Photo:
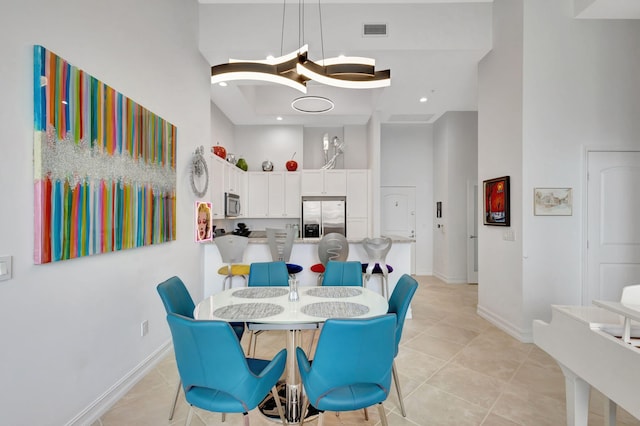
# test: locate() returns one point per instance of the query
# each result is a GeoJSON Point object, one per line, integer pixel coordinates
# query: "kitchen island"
{"type": "Point", "coordinates": [305, 254]}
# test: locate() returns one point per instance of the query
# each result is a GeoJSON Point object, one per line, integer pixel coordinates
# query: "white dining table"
{"type": "Point", "coordinates": [269, 308]}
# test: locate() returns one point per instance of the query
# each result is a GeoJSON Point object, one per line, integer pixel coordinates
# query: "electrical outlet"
{"type": "Point", "coordinates": [144, 328]}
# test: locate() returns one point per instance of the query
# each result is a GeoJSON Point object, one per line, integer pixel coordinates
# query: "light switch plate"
{"type": "Point", "coordinates": [509, 235]}
{"type": "Point", "coordinates": [5, 268]}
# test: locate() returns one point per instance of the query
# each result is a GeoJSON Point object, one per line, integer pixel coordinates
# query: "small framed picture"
{"type": "Point", "coordinates": [496, 202]}
{"type": "Point", "coordinates": [552, 202]}
{"type": "Point", "coordinates": [204, 222]}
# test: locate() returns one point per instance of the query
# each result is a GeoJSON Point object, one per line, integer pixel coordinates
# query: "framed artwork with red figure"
{"type": "Point", "coordinates": [496, 201]}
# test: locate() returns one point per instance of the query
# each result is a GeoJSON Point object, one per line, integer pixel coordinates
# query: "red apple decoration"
{"type": "Point", "coordinates": [292, 165]}
{"type": "Point", "coordinates": [220, 151]}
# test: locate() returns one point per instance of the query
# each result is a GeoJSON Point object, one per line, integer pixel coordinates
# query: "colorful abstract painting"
{"type": "Point", "coordinates": [104, 166]}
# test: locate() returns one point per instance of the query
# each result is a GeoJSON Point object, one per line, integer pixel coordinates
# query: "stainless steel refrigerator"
{"type": "Point", "coordinates": [323, 215]}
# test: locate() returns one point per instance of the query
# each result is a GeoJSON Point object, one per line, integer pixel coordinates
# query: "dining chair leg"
{"type": "Point", "coordinates": [276, 398]}
{"type": "Point", "coordinates": [250, 342]}
{"type": "Point", "coordinates": [175, 400]}
{"type": "Point", "coordinates": [245, 418]}
{"type": "Point", "coordinates": [396, 381]}
{"type": "Point", "coordinates": [383, 415]}
{"type": "Point", "coordinates": [253, 337]}
{"type": "Point", "coordinates": [188, 422]}
{"type": "Point", "coordinates": [224, 417]}
{"type": "Point", "coordinates": [313, 337]}
{"type": "Point", "coordinates": [366, 414]}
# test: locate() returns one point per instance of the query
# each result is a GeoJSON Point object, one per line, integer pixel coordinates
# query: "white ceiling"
{"type": "Point", "coordinates": [432, 49]}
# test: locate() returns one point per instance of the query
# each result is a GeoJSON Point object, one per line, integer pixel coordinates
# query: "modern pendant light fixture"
{"type": "Point", "coordinates": [295, 69]}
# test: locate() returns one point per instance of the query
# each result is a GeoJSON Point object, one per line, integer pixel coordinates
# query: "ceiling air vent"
{"type": "Point", "coordinates": [369, 30]}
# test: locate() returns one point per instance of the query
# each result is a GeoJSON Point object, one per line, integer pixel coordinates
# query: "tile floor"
{"type": "Point", "coordinates": [456, 369]}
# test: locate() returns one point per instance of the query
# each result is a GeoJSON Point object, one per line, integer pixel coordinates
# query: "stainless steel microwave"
{"type": "Point", "coordinates": [231, 204]}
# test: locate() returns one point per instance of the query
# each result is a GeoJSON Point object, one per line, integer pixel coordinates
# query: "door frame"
{"type": "Point", "coordinates": [473, 200]}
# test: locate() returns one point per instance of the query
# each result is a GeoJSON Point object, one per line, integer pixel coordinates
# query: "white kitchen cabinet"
{"type": "Point", "coordinates": [233, 179]}
{"type": "Point", "coordinates": [357, 193]}
{"type": "Point", "coordinates": [357, 228]}
{"type": "Point", "coordinates": [225, 177]}
{"type": "Point", "coordinates": [292, 202]}
{"type": "Point", "coordinates": [273, 194]}
{"type": "Point", "coordinates": [324, 182]}
{"type": "Point", "coordinates": [276, 194]}
{"type": "Point", "coordinates": [358, 200]}
{"type": "Point", "coordinates": [216, 183]}
{"type": "Point", "coordinates": [257, 200]}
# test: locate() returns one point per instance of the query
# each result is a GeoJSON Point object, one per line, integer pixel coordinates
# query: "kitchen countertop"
{"type": "Point", "coordinates": [260, 240]}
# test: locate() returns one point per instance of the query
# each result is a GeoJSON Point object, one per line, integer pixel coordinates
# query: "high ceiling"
{"type": "Point", "coordinates": [432, 48]}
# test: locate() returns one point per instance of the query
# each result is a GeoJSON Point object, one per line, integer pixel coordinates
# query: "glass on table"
{"type": "Point", "coordinates": [293, 289]}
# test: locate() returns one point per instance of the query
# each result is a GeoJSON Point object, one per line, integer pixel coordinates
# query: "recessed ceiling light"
{"type": "Point", "coordinates": [279, 118]}
{"type": "Point", "coordinates": [423, 99]}
{"type": "Point", "coordinates": [223, 83]}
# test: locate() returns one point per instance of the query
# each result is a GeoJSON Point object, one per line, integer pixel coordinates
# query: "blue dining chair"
{"type": "Point", "coordinates": [177, 300]}
{"type": "Point", "coordinates": [265, 274]}
{"type": "Point", "coordinates": [352, 367]}
{"type": "Point", "coordinates": [399, 303]}
{"type": "Point", "coordinates": [342, 273]}
{"type": "Point", "coordinates": [339, 273]}
{"type": "Point", "coordinates": [268, 274]}
{"type": "Point", "coordinates": [215, 374]}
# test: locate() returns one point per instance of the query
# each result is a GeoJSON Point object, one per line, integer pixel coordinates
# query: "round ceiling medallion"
{"type": "Point", "coordinates": [312, 104]}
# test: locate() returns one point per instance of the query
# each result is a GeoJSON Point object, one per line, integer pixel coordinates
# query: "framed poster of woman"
{"type": "Point", "coordinates": [203, 222]}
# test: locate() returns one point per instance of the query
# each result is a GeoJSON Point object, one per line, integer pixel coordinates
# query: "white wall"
{"type": "Point", "coordinates": [406, 152]}
{"type": "Point", "coordinates": [355, 138]}
{"type": "Point", "coordinates": [440, 194]}
{"type": "Point", "coordinates": [581, 90]}
{"type": "Point", "coordinates": [277, 144]}
{"type": "Point", "coordinates": [500, 77]}
{"type": "Point", "coordinates": [222, 131]}
{"type": "Point", "coordinates": [456, 142]}
{"type": "Point", "coordinates": [71, 330]}
{"type": "Point", "coordinates": [552, 87]}
{"type": "Point", "coordinates": [355, 144]}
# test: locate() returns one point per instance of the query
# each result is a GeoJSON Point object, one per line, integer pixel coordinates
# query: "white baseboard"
{"type": "Point", "coordinates": [105, 401]}
{"type": "Point", "coordinates": [450, 280]}
{"type": "Point", "coordinates": [523, 335]}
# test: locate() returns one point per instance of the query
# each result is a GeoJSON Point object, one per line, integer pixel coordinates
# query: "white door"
{"type": "Point", "coordinates": [398, 211]}
{"type": "Point", "coordinates": [613, 224]}
{"type": "Point", "coordinates": [398, 205]}
{"type": "Point", "coordinates": [472, 232]}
